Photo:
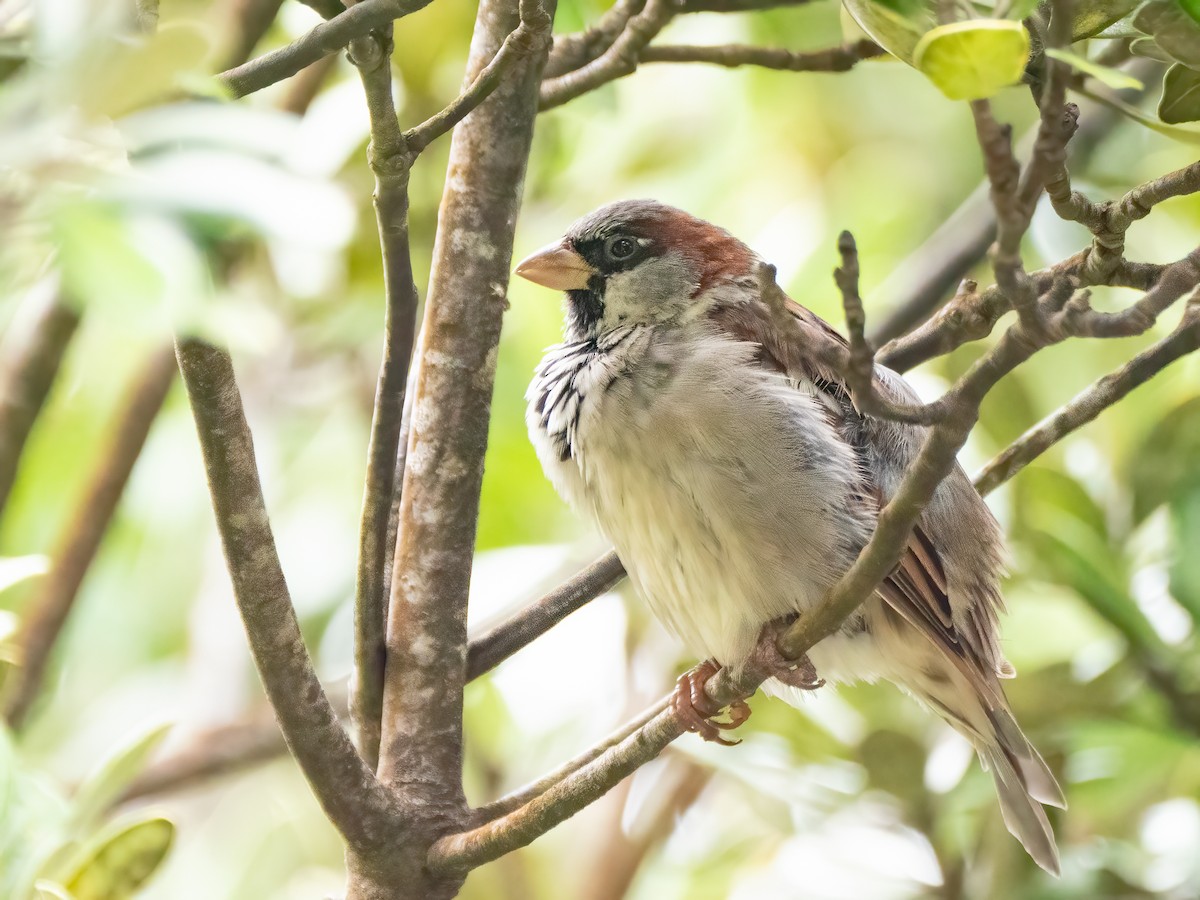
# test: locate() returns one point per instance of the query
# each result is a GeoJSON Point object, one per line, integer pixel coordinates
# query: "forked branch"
{"type": "Point", "coordinates": [352, 799]}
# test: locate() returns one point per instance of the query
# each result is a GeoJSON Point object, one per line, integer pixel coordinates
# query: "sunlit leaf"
{"type": "Point", "coordinates": [1180, 100]}
{"type": "Point", "coordinates": [48, 890]}
{"type": "Point", "coordinates": [1192, 8]}
{"type": "Point", "coordinates": [886, 27]}
{"type": "Point", "coordinates": [123, 861]}
{"type": "Point", "coordinates": [1175, 31]}
{"type": "Point", "coordinates": [972, 60]}
{"type": "Point", "coordinates": [1094, 16]}
{"type": "Point", "coordinates": [98, 791]}
{"type": "Point", "coordinates": [15, 569]}
{"type": "Point", "coordinates": [1114, 78]}
{"type": "Point", "coordinates": [149, 70]}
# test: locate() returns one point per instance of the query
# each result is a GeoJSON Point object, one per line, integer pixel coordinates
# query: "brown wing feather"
{"type": "Point", "coordinates": [917, 588]}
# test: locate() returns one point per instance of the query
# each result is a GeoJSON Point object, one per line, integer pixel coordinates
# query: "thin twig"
{"type": "Point", "coordinates": [1090, 403]}
{"type": "Point", "coordinates": [619, 60]}
{"type": "Point", "coordinates": [529, 37]}
{"type": "Point", "coordinates": [518, 798]}
{"type": "Point", "coordinates": [325, 38]}
{"type": "Point", "coordinates": [975, 313]}
{"type": "Point", "coordinates": [858, 367]}
{"type": "Point", "coordinates": [572, 51]}
{"type": "Point", "coordinates": [348, 792]}
{"type": "Point", "coordinates": [833, 59]}
{"type": "Point", "coordinates": [42, 625]}
{"type": "Point", "coordinates": [923, 281]}
{"type": "Point", "coordinates": [527, 625]}
{"type": "Point", "coordinates": [30, 361]}
{"type": "Point", "coordinates": [391, 161]}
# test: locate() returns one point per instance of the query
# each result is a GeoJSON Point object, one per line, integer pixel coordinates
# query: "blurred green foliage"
{"type": "Point", "coordinates": [255, 227]}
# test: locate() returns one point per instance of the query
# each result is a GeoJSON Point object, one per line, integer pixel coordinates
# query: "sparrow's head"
{"type": "Point", "coordinates": [638, 262]}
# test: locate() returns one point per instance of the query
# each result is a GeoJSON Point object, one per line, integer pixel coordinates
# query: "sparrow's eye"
{"type": "Point", "coordinates": [620, 247]}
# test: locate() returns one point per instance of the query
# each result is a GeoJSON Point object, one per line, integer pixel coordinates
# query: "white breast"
{"type": "Point", "coordinates": [721, 485]}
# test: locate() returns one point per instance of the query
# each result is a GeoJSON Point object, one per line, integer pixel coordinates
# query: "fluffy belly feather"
{"type": "Point", "coordinates": [661, 454]}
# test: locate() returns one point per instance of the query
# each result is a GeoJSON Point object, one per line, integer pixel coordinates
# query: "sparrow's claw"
{"type": "Point", "coordinates": [697, 711]}
{"type": "Point", "coordinates": [798, 673]}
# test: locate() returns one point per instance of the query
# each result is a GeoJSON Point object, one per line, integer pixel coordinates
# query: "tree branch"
{"type": "Point", "coordinates": [572, 51]}
{"type": "Point", "coordinates": [352, 799]}
{"type": "Point", "coordinates": [325, 38]}
{"type": "Point", "coordinates": [833, 59]}
{"type": "Point", "coordinates": [426, 639]}
{"type": "Point", "coordinates": [529, 37]}
{"type": "Point", "coordinates": [391, 162]}
{"type": "Point", "coordinates": [31, 360]}
{"type": "Point", "coordinates": [525, 626]}
{"type": "Point", "coordinates": [43, 623]}
{"type": "Point", "coordinates": [236, 745]}
{"type": "Point", "coordinates": [920, 284]}
{"type": "Point", "coordinates": [248, 20]}
{"type": "Point", "coordinates": [1089, 404]}
{"type": "Point", "coordinates": [520, 797]}
{"type": "Point", "coordinates": [617, 61]}
{"type": "Point", "coordinates": [859, 364]}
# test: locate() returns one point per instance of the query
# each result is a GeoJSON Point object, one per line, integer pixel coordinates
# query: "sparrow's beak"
{"type": "Point", "coordinates": [556, 266]}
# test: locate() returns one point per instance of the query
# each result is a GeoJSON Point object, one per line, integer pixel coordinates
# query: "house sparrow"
{"type": "Point", "coordinates": [738, 482]}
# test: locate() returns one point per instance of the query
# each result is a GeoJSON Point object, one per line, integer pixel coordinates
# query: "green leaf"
{"type": "Point", "coordinates": [1093, 16]}
{"type": "Point", "coordinates": [148, 70]}
{"type": "Point", "coordinates": [973, 60]}
{"type": "Point", "coordinates": [1176, 32]}
{"type": "Point", "coordinates": [893, 32]}
{"type": "Point", "coordinates": [101, 262]}
{"type": "Point", "coordinates": [1114, 78]}
{"type": "Point", "coordinates": [1148, 47]}
{"type": "Point", "coordinates": [1082, 564]}
{"type": "Point", "coordinates": [1180, 100]}
{"type": "Point", "coordinates": [123, 861]}
{"type": "Point", "coordinates": [1192, 8]}
{"type": "Point", "coordinates": [1185, 567]}
{"type": "Point", "coordinates": [1162, 465]}
{"type": "Point", "coordinates": [48, 890]}
{"type": "Point", "coordinates": [1186, 135]}
{"type": "Point", "coordinates": [109, 780]}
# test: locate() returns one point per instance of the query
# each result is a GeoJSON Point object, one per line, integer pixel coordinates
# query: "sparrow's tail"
{"type": "Point", "coordinates": [1023, 780]}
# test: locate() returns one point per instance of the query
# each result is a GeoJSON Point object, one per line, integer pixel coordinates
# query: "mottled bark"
{"type": "Point", "coordinates": [421, 749]}
{"type": "Point", "coordinates": [354, 801]}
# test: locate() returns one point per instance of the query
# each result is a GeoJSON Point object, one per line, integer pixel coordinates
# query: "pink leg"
{"type": "Point", "coordinates": [799, 673]}
{"type": "Point", "coordinates": [696, 710]}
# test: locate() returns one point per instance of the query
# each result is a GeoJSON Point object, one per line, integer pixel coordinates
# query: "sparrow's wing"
{"type": "Point", "coordinates": [946, 583]}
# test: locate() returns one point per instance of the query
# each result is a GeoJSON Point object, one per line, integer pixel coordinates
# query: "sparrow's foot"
{"type": "Point", "coordinates": [697, 711]}
{"type": "Point", "coordinates": [798, 673]}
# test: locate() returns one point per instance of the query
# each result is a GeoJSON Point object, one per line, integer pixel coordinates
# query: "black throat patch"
{"type": "Point", "coordinates": [585, 309]}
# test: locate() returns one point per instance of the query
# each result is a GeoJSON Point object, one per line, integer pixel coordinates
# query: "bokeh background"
{"type": "Point", "coordinates": [254, 226]}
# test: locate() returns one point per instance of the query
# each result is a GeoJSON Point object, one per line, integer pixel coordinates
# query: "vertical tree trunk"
{"type": "Point", "coordinates": [421, 747]}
